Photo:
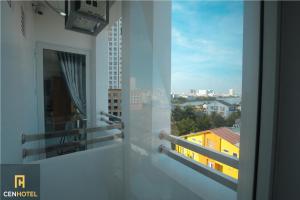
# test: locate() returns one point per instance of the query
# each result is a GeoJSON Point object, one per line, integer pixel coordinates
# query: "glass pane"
{"type": "Point", "coordinates": [207, 46]}
{"type": "Point", "coordinates": [61, 111]}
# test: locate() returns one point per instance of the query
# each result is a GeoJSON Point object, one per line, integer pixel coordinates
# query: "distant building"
{"type": "Point", "coordinates": [193, 92]}
{"type": "Point", "coordinates": [202, 93]}
{"type": "Point", "coordinates": [231, 92]}
{"type": "Point", "coordinates": [211, 93]}
{"type": "Point", "coordinates": [221, 107]}
{"type": "Point", "coordinates": [236, 126]}
{"type": "Point", "coordinates": [115, 68]}
{"type": "Point", "coordinates": [219, 139]}
{"type": "Point", "coordinates": [115, 55]}
{"type": "Point", "coordinates": [174, 95]}
{"type": "Point", "coordinates": [239, 107]}
{"type": "Point", "coordinates": [114, 102]}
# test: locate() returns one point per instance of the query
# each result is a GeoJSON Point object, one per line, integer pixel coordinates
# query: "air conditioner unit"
{"type": "Point", "coordinates": [88, 17]}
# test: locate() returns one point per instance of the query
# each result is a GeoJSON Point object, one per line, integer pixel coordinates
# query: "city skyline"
{"type": "Point", "coordinates": [207, 46]}
{"type": "Point", "coordinates": [208, 92]}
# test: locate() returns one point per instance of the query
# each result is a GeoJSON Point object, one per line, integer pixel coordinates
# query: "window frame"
{"type": "Point", "coordinates": [253, 67]}
{"type": "Point", "coordinates": [39, 67]}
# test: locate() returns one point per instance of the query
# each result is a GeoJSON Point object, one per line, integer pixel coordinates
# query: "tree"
{"type": "Point", "coordinates": [189, 119]}
{"type": "Point", "coordinates": [174, 129]}
{"type": "Point", "coordinates": [177, 114]}
{"type": "Point", "coordinates": [230, 121]}
{"type": "Point", "coordinates": [186, 126]}
{"type": "Point", "coordinates": [179, 100]}
{"type": "Point", "coordinates": [189, 112]}
{"type": "Point", "coordinates": [217, 120]}
{"type": "Point", "coordinates": [203, 122]}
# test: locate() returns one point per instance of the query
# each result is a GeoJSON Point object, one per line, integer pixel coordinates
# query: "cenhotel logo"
{"type": "Point", "coordinates": [20, 181]}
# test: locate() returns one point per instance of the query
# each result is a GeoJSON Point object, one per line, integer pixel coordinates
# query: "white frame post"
{"type": "Point", "coordinates": [250, 99]}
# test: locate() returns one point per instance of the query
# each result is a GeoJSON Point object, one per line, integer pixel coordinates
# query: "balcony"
{"type": "Point", "coordinates": [130, 158]}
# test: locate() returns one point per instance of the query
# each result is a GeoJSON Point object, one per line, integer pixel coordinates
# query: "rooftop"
{"type": "Point", "coordinates": [223, 132]}
{"type": "Point", "coordinates": [228, 135]}
{"type": "Point", "coordinates": [224, 102]}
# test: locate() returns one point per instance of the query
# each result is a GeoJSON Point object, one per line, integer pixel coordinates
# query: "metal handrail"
{"type": "Point", "coordinates": [106, 121]}
{"type": "Point", "coordinates": [203, 169]}
{"type": "Point", "coordinates": [117, 119]}
{"type": "Point", "coordinates": [37, 151]}
{"type": "Point", "coordinates": [111, 116]}
{"type": "Point", "coordinates": [74, 132]}
{"type": "Point", "coordinates": [54, 134]}
{"type": "Point", "coordinates": [221, 157]}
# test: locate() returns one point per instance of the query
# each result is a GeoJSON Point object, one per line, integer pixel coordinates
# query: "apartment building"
{"type": "Point", "coordinates": [221, 107]}
{"type": "Point", "coordinates": [115, 68]}
{"type": "Point", "coordinates": [114, 102]}
{"type": "Point", "coordinates": [115, 55]}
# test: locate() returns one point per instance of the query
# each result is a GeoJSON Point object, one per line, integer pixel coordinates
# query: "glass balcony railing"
{"type": "Point", "coordinates": [75, 143]}
{"type": "Point", "coordinates": [214, 174]}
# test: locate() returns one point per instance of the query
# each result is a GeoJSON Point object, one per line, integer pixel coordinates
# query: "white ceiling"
{"type": "Point", "coordinates": [60, 5]}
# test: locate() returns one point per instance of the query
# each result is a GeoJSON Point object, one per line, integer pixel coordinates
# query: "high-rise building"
{"type": "Point", "coordinates": [231, 92]}
{"type": "Point", "coordinates": [202, 93]}
{"type": "Point", "coordinates": [115, 55]}
{"type": "Point", "coordinates": [115, 68]}
{"type": "Point", "coordinates": [193, 92]}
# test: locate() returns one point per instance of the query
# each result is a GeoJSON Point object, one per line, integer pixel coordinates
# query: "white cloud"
{"type": "Point", "coordinates": [177, 7]}
{"type": "Point", "coordinates": [204, 48]}
{"type": "Point", "coordinates": [201, 50]}
{"type": "Point", "coordinates": [183, 41]}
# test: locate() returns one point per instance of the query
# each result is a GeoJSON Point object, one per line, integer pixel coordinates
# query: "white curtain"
{"type": "Point", "coordinates": [73, 68]}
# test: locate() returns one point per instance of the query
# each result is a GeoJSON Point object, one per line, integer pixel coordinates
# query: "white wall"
{"type": "Point", "coordinates": [95, 174]}
{"type": "Point", "coordinates": [101, 75]}
{"type": "Point", "coordinates": [49, 28]}
{"type": "Point", "coordinates": [17, 80]}
{"type": "Point", "coordinates": [92, 174]}
{"type": "Point", "coordinates": [18, 77]}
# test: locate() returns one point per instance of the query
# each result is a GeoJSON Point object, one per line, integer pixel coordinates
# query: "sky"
{"type": "Point", "coordinates": [207, 42]}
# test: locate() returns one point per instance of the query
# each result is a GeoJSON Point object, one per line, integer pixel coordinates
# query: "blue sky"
{"type": "Point", "coordinates": [207, 42]}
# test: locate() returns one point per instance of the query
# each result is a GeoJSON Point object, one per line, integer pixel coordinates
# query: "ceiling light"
{"type": "Point", "coordinates": [62, 14]}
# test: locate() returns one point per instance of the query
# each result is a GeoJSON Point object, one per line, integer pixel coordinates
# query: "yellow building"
{"type": "Point", "coordinates": [219, 139]}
